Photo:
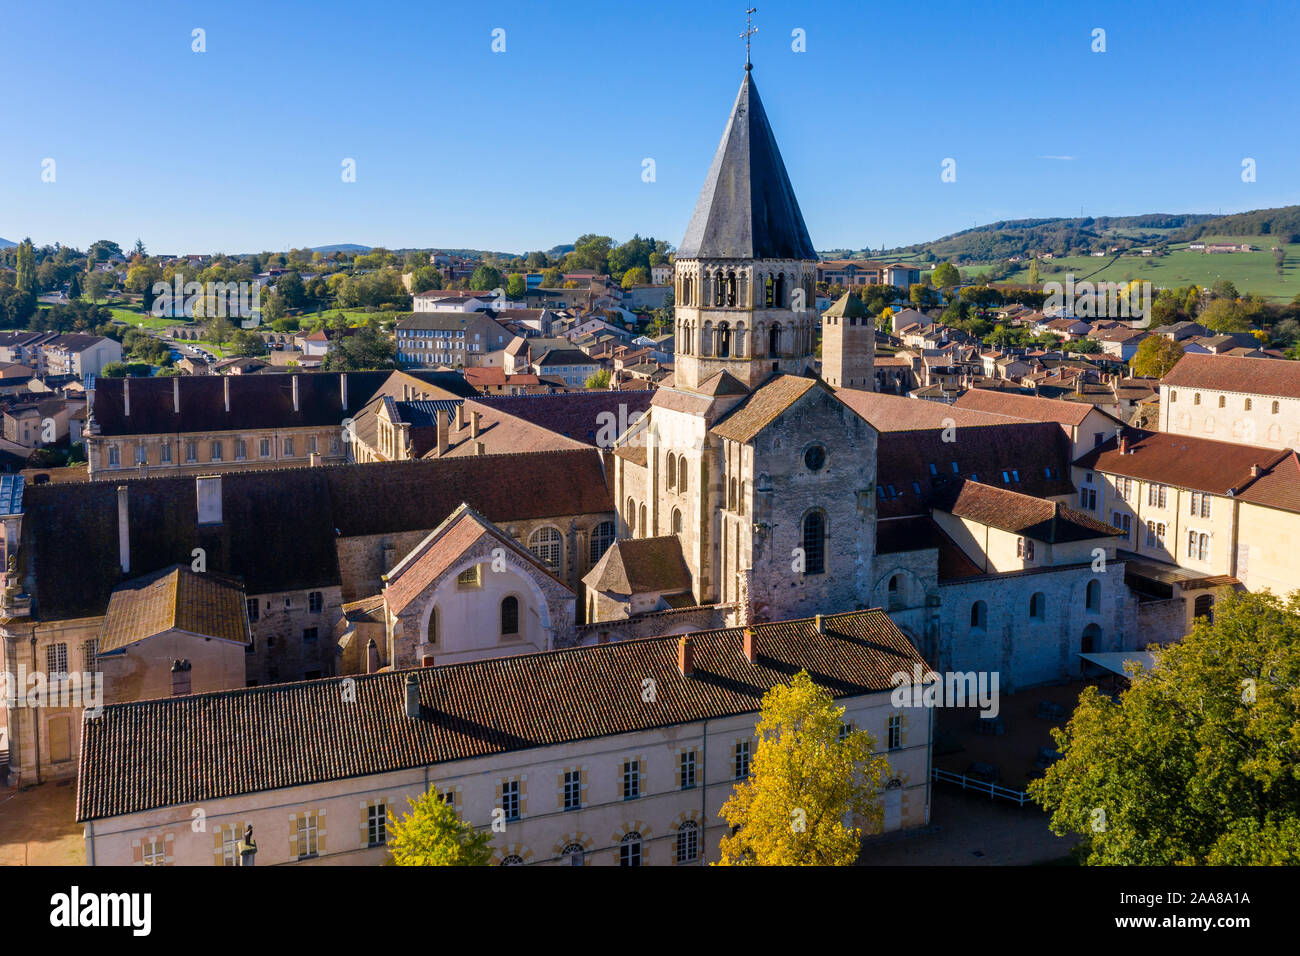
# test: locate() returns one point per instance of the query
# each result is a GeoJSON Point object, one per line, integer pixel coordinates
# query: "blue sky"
{"type": "Point", "coordinates": [240, 148]}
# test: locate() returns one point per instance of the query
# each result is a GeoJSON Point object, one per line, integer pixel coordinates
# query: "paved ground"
{"type": "Point", "coordinates": [37, 829]}
{"type": "Point", "coordinates": [970, 830]}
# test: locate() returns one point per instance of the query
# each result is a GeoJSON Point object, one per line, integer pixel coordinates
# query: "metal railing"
{"type": "Point", "coordinates": [1018, 797]}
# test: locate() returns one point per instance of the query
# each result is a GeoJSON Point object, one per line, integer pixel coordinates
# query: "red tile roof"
{"type": "Point", "coordinates": [1278, 485]}
{"type": "Point", "coordinates": [895, 413]}
{"type": "Point", "coordinates": [1230, 373]}
{"type": "Point", "coordinates": [1198, 464]}
{"type": "Point", "coordinates": [182, 750]}
{"type": "Point", "coordinates": [1028, 407]}
{"type": "Point", "coordinates": [1021, 514]}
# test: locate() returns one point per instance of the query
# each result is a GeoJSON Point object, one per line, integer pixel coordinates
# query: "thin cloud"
{"type": "Point", "coordinates": [1066, 158]}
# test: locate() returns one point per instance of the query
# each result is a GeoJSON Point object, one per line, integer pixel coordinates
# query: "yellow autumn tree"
{"type": "Point", "coordinates": [812, 789]}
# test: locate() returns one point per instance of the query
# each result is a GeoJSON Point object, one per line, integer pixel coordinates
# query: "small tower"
{"type": "Point", "coordinates": [848, 345]}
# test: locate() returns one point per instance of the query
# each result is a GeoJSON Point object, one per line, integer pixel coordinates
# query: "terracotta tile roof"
{"type": "Point", "coordinates": [177, 598]}
{"type": "Point", "coordinates": [369, 610]}
{"type": "Point", "coordinates": [641, 565]}
{"type": "Point", "coordinates": [442, 548]}
{"type": "Point", "coordinates": [676, 400]}
{"type": "Point", "coordinates": [182, 750]}
{"type": "Point", "coordinates": [1229, 373]}
{"type": "Point", "coordinates": [1278, 485]}
{"type": "Point", "coordinates": [1198, 464]}
{"type": "Point", "coordinates": [256, 401]}
{"type": "Point", "coordinates": [280, 527]}
{"type": "Point", "coordinates": [1027, 407]}
{"type": "Point", "coordinates": [763, 407]}
{"type": "Point", "coordinates": [1021, 514]}
{"type": "Point", "coordinates": [922, 459]}
{"type": "Point", "coordinates": [893, 413]}
{"type": "Point", "coordinates": [722, 383]}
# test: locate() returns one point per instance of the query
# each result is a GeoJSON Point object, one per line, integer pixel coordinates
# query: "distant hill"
{"type": "Point", "coordinates": [341, 247]}
{"type": "Point", "coordinates": [1084, 236]}
{"type": "Point", "coordinates": [6, 244]}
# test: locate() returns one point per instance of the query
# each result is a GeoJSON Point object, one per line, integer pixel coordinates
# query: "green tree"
{"type": "Point", "coordinates": [74, 287]}
{"type": "Point", "coordinates": [804, 784]}
{"type": "Point", "coordinates": [1033, 271]}
{"type": "Point", "coordinates": [598, 379]}
{"type": "Point", "coordinates": [1155, 356]}
{"type": "Point", "coordinates": [946, 276]}
{"type": "Point", "coordinates": [516, 286]}
{"type": "Point", "coordinates": [552, 278]}
{"type": "Point", "coordinates": [25, 279]}
{"type": "Point", "coordinates": [433, 835]}
{"type": "Point", "coordinates": [1197, 762]}
{"type": "Point", "coordinates": [484, 279]}
{"type": "Point", "coordinates": [425, 279]}
{"type": "Point", "coordinates": [638, 275]}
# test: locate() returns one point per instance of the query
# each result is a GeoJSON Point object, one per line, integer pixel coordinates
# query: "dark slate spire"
{"type": "Point", "coordinates": [747, 208]}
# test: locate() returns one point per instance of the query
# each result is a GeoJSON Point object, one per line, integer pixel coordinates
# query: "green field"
{"type": "Point", "coordinates": [1253, 272]}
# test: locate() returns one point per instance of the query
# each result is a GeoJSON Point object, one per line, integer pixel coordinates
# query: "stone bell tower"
{"type": "Point", "coordinates": [745, 273]}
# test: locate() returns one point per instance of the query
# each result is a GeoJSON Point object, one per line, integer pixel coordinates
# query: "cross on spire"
{"type": "Point", "coordinates": [750, 30]}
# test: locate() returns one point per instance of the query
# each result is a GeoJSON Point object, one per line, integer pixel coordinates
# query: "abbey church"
{"type": "Point", "coordinates": [791, 488]}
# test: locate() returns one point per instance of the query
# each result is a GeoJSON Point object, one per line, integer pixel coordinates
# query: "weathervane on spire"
{"type": "Point", "coordinates": [750, 30]}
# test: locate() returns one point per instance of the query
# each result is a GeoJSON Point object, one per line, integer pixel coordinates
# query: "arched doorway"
{"type": "Point", "coordinates": [1091, 639]}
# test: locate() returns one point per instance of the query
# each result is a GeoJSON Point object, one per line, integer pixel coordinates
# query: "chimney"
{"type": "Point", "coordinates": [460, 415]}
{"type": "Point", "coordinates": [225, 384]}
{"type": "Point", "coordinates": [1123, 444]}
{"type": "Point", "coordinates": [123, 531]}
{"type": "Point", "coordinates": [412, 697]}
{"type": "Point", "coordinates": [686, 656]}
{"type": "Point", "coordinates": [1254, 471]}
{"type": "Point", "coordinates": [820, 624]}
{"type": "Point", "coordinates": [372, 657]}
{"type": "Point", "coordinates": [180, 678]}
{"type": "Point", "coordinates": [295, 393]}
{"type": "Point", "coordinates": [480, 448]}
{"type": "Point", "coordinates": [442, 423]}
{"type": "Point", "coordinates": [750, 646]}
{"type": "Point", "coordinates": [343, 390]}
{"type": "Point", "coordinates": [126, 396]}
{"type": "Point", "coordinates": [474, 418]}
{"type": "Point", "coordinates": [426, 661]}
{"type": "Point", "coordinates": [176, 394]}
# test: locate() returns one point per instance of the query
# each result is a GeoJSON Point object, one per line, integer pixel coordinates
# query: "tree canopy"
{"type": "Point", "coordinates": [432, 834]}
{"type": "Point", "coordinates": [1199, 761]}
{"type": "Point", "coordinates": [805, 782]}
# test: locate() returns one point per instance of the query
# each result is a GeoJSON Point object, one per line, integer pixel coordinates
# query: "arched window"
{"type": "Point", "coordinates": [1222, 401]}
{"type": "Point", "coordinates": [645, 525]}
{"type": "Point", "coordinates": [1037, 605]}
{"type": "Point", "coordinates": [1204, 607]}
{"type": "Point", "coordinates": [681, 473]}
{"type": "Point", "coordinates": [814, 543]}
{"type": "Point", "coordinates": [512, 860]}
{"type": "Point", "coordinates": [724, 339]}
{"type": "Point", "coordinates": [431, 632]}
{"type": "Point", "coordinates": [1092, 597]}
{"type": "Point", "coordinates": [688, 842]}
{"type": "Point", "coordinates": [1091, 639]}
{"type": "Point", "coordinates": [547, 544]}
{"type": "Point", "coordinates": [1196, 399]}
{"type": "Point", "coordinates": [677, 521]}
{"type": "Point", "coordinates": [768, 292]}
{"type": "Point", "coordinates": [774, 340]}
{"type": "Point", "coordinates": [629, 515]}
{"type": "Point", "coordinates": [896, 599]}
{"type": "Point", "coordinates": [510, 615]}
{"type": "Point", "coordinates": [1275, 407]}
{"type": "Point", "coordinates": [629, 850]}
{"type": "Point", "coordinates": [672, 471]}
{"type": "Point", "coordinates": [601, 538]}
{"type": "Point", "coordinates": [1248, 405]}
{"type": "Point", "coordinates": [979, 615]}
{"type": "Point", "coordinates": [731, 494]}
{"type": "Point", "coordinates": [575, 854]}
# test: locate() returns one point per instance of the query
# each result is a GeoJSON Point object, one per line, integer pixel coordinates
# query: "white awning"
{"type": "Point", "coordinates": [1113, 661]}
